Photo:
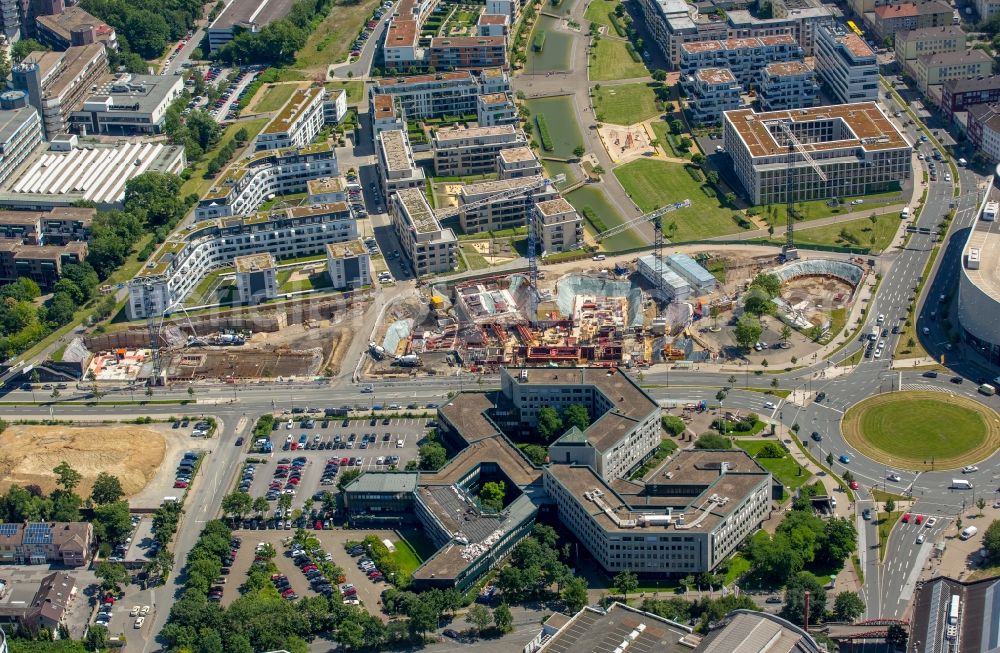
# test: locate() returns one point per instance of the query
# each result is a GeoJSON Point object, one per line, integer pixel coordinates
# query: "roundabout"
{"type": "Point", "coordinates": [922, 431]}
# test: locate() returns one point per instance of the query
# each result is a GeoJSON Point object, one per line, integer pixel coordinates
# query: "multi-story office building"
{"type": "Point", "coordinates": [476, 52]}
{"type": "Point", "coordinates": [297, 123]}
{"type": "Point", "coordinates": [20, 131]}
{"type": "Point", "coordinates": [911, 44]}
{"type": "Point", "coordinates": [979, 279]}
{"type": "Point", "coordinates": [710, 92]}
{"type": "Point", "coordinates": [248, 15]}
{"type": "Point", "coordinates": [932, 70]}
{"type": "Point", "coordinates": [245, 186]}
{"type": "Point", "coordinates": [127, 105]}
{"type": "Point", "coordinates": [983, 129]}
{"type": "Point", "coordinates": [256, 277]}
{"type": "Point", "coordinates": [69, 26]}
{"type": "Point", "coordinates": [505, 212]}
{"type": "Point", "coordinates": [349, 265]}
{"type": "Point", "coordinates": [423, 97]}
{"type": "Point", "coordinates": [986, 8]}
{"type": "Point", "coordinates": [800, 19]}
{"type": "Point", "coordinates": [857, 146]}
{"type": "Point", "coordinates": [429, 247]}
{"type": "Point", "coordinates": [57, 82]}
{"type": "Point", "coordinates": [744, 58]}
{"type": "Point", "coordinates": [514, 162]}
{"type": "Point", "coordinates": [790, 85]}
{"type": "Point", "coordinates": [460, 151]}
{"type": "Point", "coordinates": [495, 109]}
{"type": "Point", "coordinates": [396, 167]}
{"type": "Point", "coordinates": [891, 19]}
{"type": "Point", "coordinates": [686, 518]}
{"type": "Point", "coordinates": [557, 226]}
{"type": "Point", "coordinates": [846, 64]}
{"type": "Point", "coordinates": [959, 95]}
{"type": "Point", "coordinates": [180, 263]}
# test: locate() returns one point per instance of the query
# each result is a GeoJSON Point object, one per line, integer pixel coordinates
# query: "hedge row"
{"type": "Point", "coordinates": [595, 221]}
{"type": "Point", "coordinates": [543, 133]}
{"type": "Point", "coordinates": [632, 53]}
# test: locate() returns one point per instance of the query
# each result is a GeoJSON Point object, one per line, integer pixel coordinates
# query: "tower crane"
{"type": "Point", "coordinates": [794, 146]}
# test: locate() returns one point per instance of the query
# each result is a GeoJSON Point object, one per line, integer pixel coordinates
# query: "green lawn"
{"type": "Point", "coordinates": [273, 97]}
{"type": "Point", "coordinates": [817, 209]}
{"type": "Point", "coordinates": [852, 233]}
{"type": "Point", "coordinates": [405, 556]}
{"type": "Point", "coordinates": [314, 281]}
{"type": "Point", "coordinates": [886, 521]}
{"type": "Point", "coordinates": [624, 104]}
{"type": "Point", "coordinates": [197, 183]}
{"type": "Point", "coordinates": [475, 260]}
{"type": "Point", "coordinates": [355, 91]}
{"type": "Point", "coordinates": [610, 60]}
{"type": "Point", "coordinates": [330, 42]}
{"type": "Point", "coordinates": [598, 10]}
{"type": "Point", "coordinates": [738, 565]}
{"type": "Point", "coordinates": [653, 184]}
{"type": "Point", "coordinates": [785, 470]}
{"type": "Point", "coordinates": [662, 131]}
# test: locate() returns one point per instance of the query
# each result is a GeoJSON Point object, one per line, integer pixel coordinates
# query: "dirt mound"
{"type": "Point", "coordinates": [28, 455]}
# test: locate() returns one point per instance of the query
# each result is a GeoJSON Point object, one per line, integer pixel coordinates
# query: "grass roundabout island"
{"type": "Point", "coordinates": [916, 430]}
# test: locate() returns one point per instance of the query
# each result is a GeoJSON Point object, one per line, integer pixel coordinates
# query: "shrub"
{"type": "Point", "coordinates": [695, 173]}
{"type": "Point", "coordinates": [632, 53]}
{"type": "Point", "coordinates": [595, 221]}
{"type": "Point", "coordinates": [543, 133]}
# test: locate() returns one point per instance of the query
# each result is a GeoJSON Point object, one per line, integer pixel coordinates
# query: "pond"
{"type": "Point", "coordinates": [562, 124]}
{"type": "Point", "coordinates": [609, 215]}
{"type": "Point", "coordinates": [557, 51]}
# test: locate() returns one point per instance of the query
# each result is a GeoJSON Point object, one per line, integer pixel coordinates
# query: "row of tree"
{"type": "Point", "coordinates": [277, 42]}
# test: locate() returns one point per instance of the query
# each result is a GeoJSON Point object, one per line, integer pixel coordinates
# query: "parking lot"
{"type": "Point", "coordinates": [332, 542]}
{"type": "Point", "coordinates": [161, 485]}
{"type": "Point", "coordinates": [387, 438]}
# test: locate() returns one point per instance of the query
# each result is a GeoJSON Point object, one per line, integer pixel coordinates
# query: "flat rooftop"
{"type": "Point", "coordinates": [253, 262]}
{"type": "Point", "coordinates": [293, 110]}
{"type": "Point", "coordinates": [418, 211]}
{"type": "Point", "coordinates": [72, 18]}
{"type": "Point", "coordinates": [467, 41]}
{"type": "Point", "coordinates": [872, 129]}
{"type": "Point", "coordinates": [977, 630]}
{"type": "Point", "coordinates": [65, 66]}
{"type": "Point", "coordinates": [144, 93]}
{"type": "Point", "coordinates": [554, 207]}
{"type": "Point", "coordinates": [382, 105]}
{"type": "Point", "coordinates": [13, 120]}
{"type": "Point", "coordinates": [494, 98]}
{"type": "Point", "coordinates": [854, 44]}
{"type": "Point", "coordinates": [396, 149]}
{"type": "Point", "coordinates": [349, 249]}
{"type": "Point", "coordinates": [21, 218]}
{"type": "Point", "coordinates": [788, 68]}
{"type": "Point", "coordinates": [594, 631]}
{"type": "Point", "coordinates": [466, 413]}
{"type": "Point", "coordinates": [985, 237]}
{"type": "Point", "coordinates": [498, 185]}
{"type": "Point", "coordinates": [325, 185]}
{"type": "Point", "coordinates": [402, 32]}
{"type": "Point", "coordinates": [716, 76]}
{"type": "Point", "coordinates": [390, 83]}
{"type": "Point", "coordinates": [517, 154]}
{"type": "Point", "coordinates": [448, 134]}
{"type": "Point", "coordinates": [257, 12]}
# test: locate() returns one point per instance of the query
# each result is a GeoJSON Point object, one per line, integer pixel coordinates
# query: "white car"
{"type": "Point", "coordinates": [894, 477]}
{"type": "Point", "coordinates": [970, 469]}
{"type": "Point", "coordinates": [134, 612]}
{"type": "Point", "coordinates": [930, 522]}
{"type": "Point", "coordinates": [920, 538]}
{"type": "Point", "coordinates": [769, 405]}
{"type": "Point", "coordinates": [139, 621]}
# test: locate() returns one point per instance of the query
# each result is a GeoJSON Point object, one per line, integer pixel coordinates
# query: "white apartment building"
{"type": "Point", "coordinates": [256, 277]}
{"type": "Point", "coordinates": [846, 65]}
{"type": "Point", "coordinates": [493, 25]}
{"type": "Point", "coordinates": [20, 131]}
{"type": "Point", "coordinates": [624, 421]}
{"type": "Point", "coordinates": [396, 167]}
{"type": "Point", "coordinates": [349, 265]}
{"type": "Point", "coordinates": [297, 123]}
{"type": "Point", "coordinates": [181, 262]}
{"type": "Point", "coordinates": [422, 97]}
{"type": "Point", "coordinates": [557, 226]}
{"type": "Point", "coordinates": [429, 247]}
{"type": "Point", "coordinates": [386, 116]}
{"type": "Point", "coordinates": [461, 151]}
{"type": "Point", "coordinates": [745, 58]}
{"type": "Point", "coordinates": [685, 518]}
{"type": "Point", "coordinates": [712, 91]}
{"type": "Point", "coordinates": [335, 106]}
{"type": "Point", "coordinates": [790, 85]}
{"type": "Point", "coordinates": [509, 8]}
{"type": "Point", "coordinates": [857, 146]}
{"type": "Point", "coordinates": [514, 162]}
{"type": "Point", "coordinates": [495, 109]}
{"type": "Point", "coordinates": [245, 186]}
{"type": "Point", "coordinates": [505, 212]}
{"type": "Point", "coordinates": [327, 190]}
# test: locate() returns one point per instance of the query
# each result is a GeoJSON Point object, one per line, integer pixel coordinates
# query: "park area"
{"type": "Point", "coordinates": [598, 10]}
{"type": "Point", "coordinates": [197, 183]}
{"type": "Point", "coordinates": [875, 234]}
{"type": "Point", "coordinates": [783, 467]}
{"type": "Point", "coordinates": [610, 60]}
{"type": "Point", "coordinates": [330, 42]}
{"type": "Point", "coordinates": [653, 184]}
{"type": "Point", "coordinates": [624, 104]}
{"type": "Point", "coordinates": [355, 91]}
{"type": "Point", "coordinates": [922, 430]}
{"type": "Point", "coordinates": [271, 97]}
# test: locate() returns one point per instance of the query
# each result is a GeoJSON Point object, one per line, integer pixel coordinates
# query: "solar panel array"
{"type": "Point", "coordinates": [38, 534]}
{"type": "Point", "coordinates": [8, 530]}
{"type": "Point", "coordinates": [99, 173]}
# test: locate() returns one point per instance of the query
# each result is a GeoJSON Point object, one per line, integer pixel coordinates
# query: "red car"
{"type": "Point", "coordinates": [308, 568]}
{"type": "Point", "coordinates": [293, 480]}
{"type": "Point", "coordinates": [343, 462]}
{"type": "Point", "coordinates": [318, 525]}
{"type": "Point", "coordinates": [180, 484]}
{"type": "Point", "coordinates": [920, 520]}
{"type": "Point", "coordinates": [288, 592]}
{"type": "Point", "coordinates": [855, 485]}
{"type": "Point", "coordinates": [906, 518]}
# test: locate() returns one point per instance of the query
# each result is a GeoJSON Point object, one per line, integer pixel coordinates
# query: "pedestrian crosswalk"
{"type": "Point", "coordinates": [926, 387]}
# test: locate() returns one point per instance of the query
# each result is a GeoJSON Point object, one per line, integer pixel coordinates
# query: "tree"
{"type": "Point", "coordinates": [67, 477]}
{"type": "Point", "coordinates": [97, 635]}
{"type": "Point", "coordinates": [112, 522]}
{"type": "Point", "coordinates": [237, 504]}
{"type": "Point", "coordinates": [795, 598]}
{"type": "Point", "coordinates": [896, 637]}
{"type": "Point", "coordinates": [578, 151]}
{"type": "Point", "coordinates": [433, 456]}
{"type": "Point", "coordinates": [24, 47]}
{"type": "Point", "coordinates": [890, 505]}
{"type": "Point", "coordinates": [107, 489]}
{"type": "Point", "coordinates": [748, 330]}
{"type": "Point", "coordinates": [714, 312]}
{"type": "Point", "coordinates": [576, 415]}
{"type": "Point", "coordinates": [111, 575]}
{"type": "Point", "coordinates": [492, 494]}
{"type": "Point", "coordinates": [659, 75]}
{"type": "Point", "coordinates": [535, 453]}
{"type": "Point", "coordinates": [991, 541]}
{"type": "Point", "coordinates": [260, 506]}
{"type": "Point", "coordinates": [503, 620]}
{"type": "Point", "coordinates": [768, 282]}
{"type": "Point", "coordinates": [59, 310]}
{"type": "Point", "coordinates": [786, 333]}
{"type": "Point", "coordinates": [712, 441]}
{"type": "Point", "coordinates": [574, 594]}
{"type": "Point", "coordinates": [550, 426]}
{"type": "Point", "coordinates": [848, 606]}
{"type": "Point", "coordinates": [154, 196]}
{"type": "Point", "coordinates": [626, 582]}
{"type": "Point", "coordinates": [479, 617]}
{"type": "Point", "coordinates": [757, 302]}
{"type": "Point", "coordinates": [672, 424]}
{"type": "Point", "coordinates": [981, 504]}
{"type": "Point", "coordinates": [346, 478]}
{"type": "Point", "coordinates": [829, 458]}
